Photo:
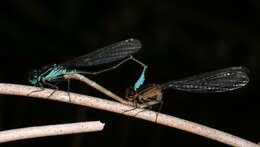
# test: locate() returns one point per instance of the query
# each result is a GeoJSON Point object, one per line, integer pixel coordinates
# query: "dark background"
{"type": "Point", "coordinates": [180, 38]}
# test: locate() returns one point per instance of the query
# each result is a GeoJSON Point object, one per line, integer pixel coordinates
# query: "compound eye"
{"type": "Point", "coordinates": [130, 93]}
{"type": "Point", "coordinates": [33, 75]}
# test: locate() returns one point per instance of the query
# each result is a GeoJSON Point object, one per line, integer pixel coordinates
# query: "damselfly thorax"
{"type": "Point", "coordinates": [145, 94]}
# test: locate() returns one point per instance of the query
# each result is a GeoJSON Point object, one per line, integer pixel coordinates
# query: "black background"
{"type": "Point", "coordinates": [180, 38]}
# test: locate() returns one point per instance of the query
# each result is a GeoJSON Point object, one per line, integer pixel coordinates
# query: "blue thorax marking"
{"type": "Point", "coordinates": [54, 72]}
{"type": "Point", "coordinates": [140, 81]}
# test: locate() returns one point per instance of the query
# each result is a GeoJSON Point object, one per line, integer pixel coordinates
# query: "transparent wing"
{"type": "Point", "coordinates": [222, 80]}
{"type": "Point", "coordinates": [110, 53]}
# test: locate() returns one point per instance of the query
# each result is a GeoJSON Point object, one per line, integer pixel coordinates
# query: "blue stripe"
{"type": "Point", "coordinates": [140, 81]}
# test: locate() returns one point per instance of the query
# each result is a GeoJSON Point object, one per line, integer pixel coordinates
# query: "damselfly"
{"type": "Point", "coordinates": [114, 52]}
{"type": "Point", "coordinates": [222, 80]}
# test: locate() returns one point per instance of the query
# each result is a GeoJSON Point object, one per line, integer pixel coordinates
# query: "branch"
{"type": "Point", "coordinates": [98, 103]}
{"type": "Point", "coordinates": [50, 130]}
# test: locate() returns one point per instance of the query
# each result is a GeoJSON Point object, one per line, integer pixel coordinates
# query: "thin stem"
{"type": "Point", "coordinates": [50, 130]}
{"type": "Point", "coordinates": [99, 103]}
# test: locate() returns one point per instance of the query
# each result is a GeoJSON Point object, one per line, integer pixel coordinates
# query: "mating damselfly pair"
{"type": "Point", "coordinates": [222, 80]}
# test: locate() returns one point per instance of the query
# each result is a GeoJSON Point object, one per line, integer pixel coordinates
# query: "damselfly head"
{"type": "Point", "coordinates": [131, 93]}
{"type": "Point", "coordinates": [33, 77]}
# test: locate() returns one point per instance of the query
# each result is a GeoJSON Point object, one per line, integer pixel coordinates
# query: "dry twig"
{"type": "Point", "coordinates": [50, 130]}
{"type": "Point", "coordinates": [89, 101]}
